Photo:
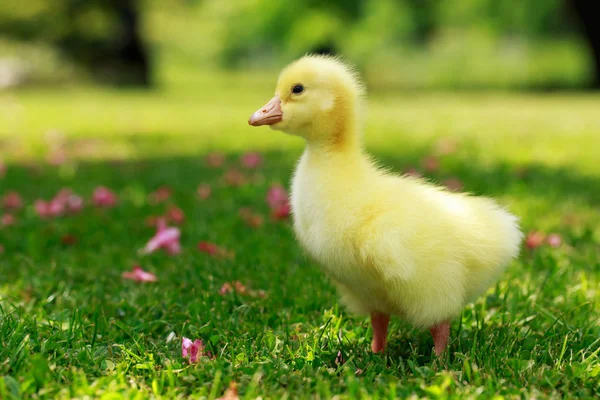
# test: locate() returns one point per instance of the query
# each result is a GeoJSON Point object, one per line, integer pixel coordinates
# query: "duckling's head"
{"type": "Point", "coordinates": [317, 97]}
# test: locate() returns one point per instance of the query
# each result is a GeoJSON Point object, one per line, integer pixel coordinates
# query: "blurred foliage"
{"type": "Point", "coordinates": [99, 34]}
{"type": "Point", "coordinates": [360, 27]}
{"type": "Point", "coordinates": [421, 43]}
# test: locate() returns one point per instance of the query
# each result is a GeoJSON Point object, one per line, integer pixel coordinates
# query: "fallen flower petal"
{"type": "Point", "coordinates": [281, 212]}
{"type": "Point", "coordinates": [204, 191]}
{"type": "Point", "coordinates": [253, 220]}
{"type": "Point", "coordinates": [234, 178]}
{"type": "Point", "coordinates": [554, 240]}
{"type": "Point", "coordinates": [240, 287]}
{"type": "Point", "coordinates": [74, 203]}
{"type": "Point", "coordinates": [186, 345]}
{"type": "Point", "coordinates": [104, 197]}
{"type": "Point", "coordinates": [176, 215]}
{"type": "Point", "coordinates": [7, 220]}
{"type": "Point", "coordinates": [160, 195]}
{"type": "Point", "coordinates": [139, 275]}
{"type": "Point", "coordinates": [446, 146]}
{"type": "Point", "coordinates": [215, 159]}
{"type": "Point", "coordinates": [339, 359]}
{"type": "Point", "coordinates": [226, 288]}
{"type": "Point", "coordinates": [68, 240]}
{"type": "Point", "coordinates": [63, 195]}
{"type": "Point", "coordinates": [165, 237]}
{"type": "Point", "coordinates": [12, 201]}
{"type": "Point", "coordinates": [152, 220]}
{"type": "Point", "coordinates": [276, 196]}
{"type": "Point", "coordinates": [209, 248]}
{"type": "Point", "coordinates": [42, 208]}
{"type": "Point", "coordinates": [55, 208]}
{"type": "Point", "coordinates": [430, 164]}
{"type": "Point", "coordinates": [534, 239]}
{"type": "Point", "coordinates": [58, 156]}
{"type": "Point", "coordinates": [251, 160]}
{"type": "Point", "coordinates": [193, 350]}
{"type": "Point", "coordinates": [231, 393]}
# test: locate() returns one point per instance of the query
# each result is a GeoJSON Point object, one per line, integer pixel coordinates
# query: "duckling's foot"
{"type": "Point", "coordinates": [441, 335]}
{"type": "Point", "coordinates": [380, 324]}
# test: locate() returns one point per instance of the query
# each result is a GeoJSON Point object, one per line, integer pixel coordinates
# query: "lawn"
{"type": "Point", "coordinates": [72, 327]}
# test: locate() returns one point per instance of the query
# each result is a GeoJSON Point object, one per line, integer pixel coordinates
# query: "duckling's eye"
{"type": "Point", "coordinates": [298, 89]}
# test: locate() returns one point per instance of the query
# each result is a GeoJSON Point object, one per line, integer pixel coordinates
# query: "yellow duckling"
{"type": "Point", "coordinates": [393, 245]}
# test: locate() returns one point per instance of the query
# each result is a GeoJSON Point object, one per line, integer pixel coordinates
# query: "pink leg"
{"type": "Point", "coordinates": [441, 335]}
{"type": "Point", "coordinates": [380, 328]}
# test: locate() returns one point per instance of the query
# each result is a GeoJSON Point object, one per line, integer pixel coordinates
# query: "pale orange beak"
{"type": "Point", "coordinates": [269, 114]}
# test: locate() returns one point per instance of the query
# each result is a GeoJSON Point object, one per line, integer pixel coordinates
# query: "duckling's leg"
{"type": "Point", "coordinates": [441, 335]}
{"type": "Point", "coordinates": [379, 322]}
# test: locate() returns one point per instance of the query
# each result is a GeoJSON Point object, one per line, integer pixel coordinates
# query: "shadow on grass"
{"type": "Point", "coordinates": [558, 184]}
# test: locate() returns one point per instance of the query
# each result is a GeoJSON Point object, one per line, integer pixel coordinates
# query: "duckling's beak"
{"type": "Point", "coordinates": [269, 114]}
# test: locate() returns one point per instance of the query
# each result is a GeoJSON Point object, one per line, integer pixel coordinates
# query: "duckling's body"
{"type": "Point", "coordinates": [393, 245]}
{"type": "Point", "coordinates": [396, 245]}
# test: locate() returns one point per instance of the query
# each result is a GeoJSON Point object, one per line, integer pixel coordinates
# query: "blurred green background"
{"type": "Point", "coordinates": [530, 44]}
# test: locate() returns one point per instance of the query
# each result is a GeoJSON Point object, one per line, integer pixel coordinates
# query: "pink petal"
{"type": "Point", "coordinates": [251, 160]}
{"type": "Point", "coordinates": [63, 195]}
{"type": "Point", "coordinates": [276, 196]}
{"type": "Point", "coordinates": [226, 288]}
{"type": "Point", "coordinates": [231, 393]}
{"type": "Point", "coordinates": [209, 248]}
{"type": "Point", "coordinates": [240, 287]}
{"type": "Point", "coordinates": [215, 159]}
{"type": "Point", "coordinates": [173, 248]}
{"type": "Point", "coordinates": [554, 240]}
{"type": "Point", "coordinates": [74, 203]}
{"type": "Point", "coordinates": [7, 220]}
{"type": "Point", "coordinates": [55, 208]}
{"type": "Point", "coordinates": [159, 195]}
{"type": "Point", "coordinates": [167, 238]}
{"type": "Point", "coordinates": [446, 146]}
{"type": "Point", "coordinates": [193, 349]}
{"type": "Point", "coordinates": [234, 178]}
{"type": "Point", "coordinates": [42, 208]}
{"type": "Point", "coordinates": [431, 163]}
{"type": "Point", "coordinates": [58, 156]}
{"type": "Point", "coordinates": [204, 191]}
{"type": "Point", "coordinates": [12, 201]}
{"type": "Point", "coordinates": [196, 350]}
{"type": "Point", "coordinates": [339, 359]}
{"type": "Point", "coordinates": [534, 239]}
{"type": "Point", "coordinates": [68, 240]}
{"type": "Point", "coordinates": [281, 212]}
{"type": "Point", "coordinates": [139, 275]}
{"type": "Point", "coordinates": [104, 197]}
{"type": "Point", "coordinates": [186, 345]}
{"type": "Point", "coordinates": [176, 215]}
{"type": "Point", "coordinates": [253, 220]}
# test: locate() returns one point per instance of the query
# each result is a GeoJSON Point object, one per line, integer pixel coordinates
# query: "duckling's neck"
{"type": "Point", "coordinates": [341, 147]}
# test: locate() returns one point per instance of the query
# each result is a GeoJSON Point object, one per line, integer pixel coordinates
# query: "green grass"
{"type": "Point", "coordinates": [70, 327]}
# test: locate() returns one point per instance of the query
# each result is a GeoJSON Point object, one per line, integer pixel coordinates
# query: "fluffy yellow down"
{"type": "Point", "coordinates": [391, 244]}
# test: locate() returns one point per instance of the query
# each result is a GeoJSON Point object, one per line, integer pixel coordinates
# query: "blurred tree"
{"type": "Point", "coordinates": [102, 35]}
{"type": "Point", "coordinates": [587, 11]}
